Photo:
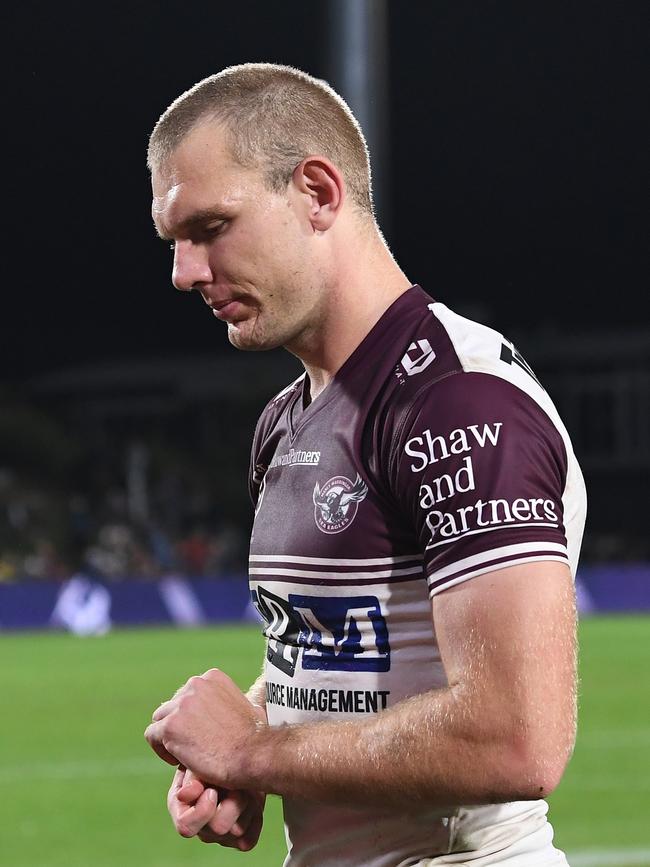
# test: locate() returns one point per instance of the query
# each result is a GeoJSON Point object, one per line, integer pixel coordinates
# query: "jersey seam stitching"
{"type": "Point", "coordinates": [409, 410]}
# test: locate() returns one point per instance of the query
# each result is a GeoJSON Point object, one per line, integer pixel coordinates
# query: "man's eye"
{"type": "Point", "coordinates": [215, 228]}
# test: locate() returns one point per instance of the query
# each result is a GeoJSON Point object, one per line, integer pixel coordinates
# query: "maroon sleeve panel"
{"type": "Point", "coordinates": [480, 469]}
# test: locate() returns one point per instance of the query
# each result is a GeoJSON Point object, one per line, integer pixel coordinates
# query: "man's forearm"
{"type": "Point", "coordinates": [502, 730]}
{"type": "Point", "coordinates": [431, 748]}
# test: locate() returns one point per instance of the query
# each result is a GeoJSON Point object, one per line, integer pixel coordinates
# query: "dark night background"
{"type": "Point", "coordinates": [516, 164]}
{"type": "Point", "coordinates": [518, 139]}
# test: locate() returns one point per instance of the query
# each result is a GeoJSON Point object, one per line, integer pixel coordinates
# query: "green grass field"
{"type": "Point", "coordinates": [80, 787]}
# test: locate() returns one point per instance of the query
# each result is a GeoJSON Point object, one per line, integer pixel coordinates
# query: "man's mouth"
{"type": "Point", "coordinates": [225, 309]}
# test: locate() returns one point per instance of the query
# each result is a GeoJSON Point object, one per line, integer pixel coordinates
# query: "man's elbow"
{"type": "Point", "coordinates": [536, 767]}
{"type": "Point", "coordinates": [536, 780]}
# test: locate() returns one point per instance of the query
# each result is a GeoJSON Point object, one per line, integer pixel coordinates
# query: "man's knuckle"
{"type": "Point", "coordinates": [219, 827]}
{"type": "Point", "coordinates": [184, 830]}
{"type": "Point", "coordinates": [181, 702]}
{"type": "Point", "coordinates": [169, 727]}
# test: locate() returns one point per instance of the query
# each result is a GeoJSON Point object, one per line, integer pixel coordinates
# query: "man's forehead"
{"type": "Point", "coordinates": [167, 196]}
{"type": "Point", "coordinates": [178, 208]}
{"type": "Point", "coordinates": [203, 150]}
{"type": "Point", "coordinates": [180, 199]}
{"type": "Point", "coordinates": [198, 173]}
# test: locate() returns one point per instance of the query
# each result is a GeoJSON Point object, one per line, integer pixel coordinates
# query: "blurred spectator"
{"type": "Point", "coordinates": [46, 535]}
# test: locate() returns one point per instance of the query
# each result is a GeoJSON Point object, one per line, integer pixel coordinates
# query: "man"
{"type": "Point", "coordinates": [419, 512]}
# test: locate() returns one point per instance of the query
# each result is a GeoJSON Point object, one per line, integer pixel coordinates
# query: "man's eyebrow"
{"type": "Point", "coordinates": [203, 215]}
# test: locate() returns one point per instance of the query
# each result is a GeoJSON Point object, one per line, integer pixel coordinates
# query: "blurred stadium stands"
{"type": "Point", "coordinates": [132, 468]}
{"type": "Point", "coordinates": [137, 469]}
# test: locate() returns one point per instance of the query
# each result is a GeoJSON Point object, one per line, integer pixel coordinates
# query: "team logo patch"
{"type": "Point", "coordinates": [336, 503]}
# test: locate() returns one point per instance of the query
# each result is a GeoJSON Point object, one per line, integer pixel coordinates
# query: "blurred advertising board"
{"type": "Point", "coordinates": [87, 606]}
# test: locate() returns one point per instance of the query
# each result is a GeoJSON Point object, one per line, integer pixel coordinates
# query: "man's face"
{"type": "Point", "coordinates": [247, 250]}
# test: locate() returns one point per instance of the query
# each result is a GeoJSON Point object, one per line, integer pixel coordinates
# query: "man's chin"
{"type": "Point", "coordinates": [249, 342]}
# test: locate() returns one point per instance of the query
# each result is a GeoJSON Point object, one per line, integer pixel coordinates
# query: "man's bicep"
{"type": "Point", "coordinates": [507, 641]}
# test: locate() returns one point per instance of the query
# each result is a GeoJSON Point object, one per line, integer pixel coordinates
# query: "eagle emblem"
{"type": "Point", "coordinates": [336, 503]}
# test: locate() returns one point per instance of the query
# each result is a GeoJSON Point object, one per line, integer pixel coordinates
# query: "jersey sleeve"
{"type": "Point", "coordinates": [479, 470]}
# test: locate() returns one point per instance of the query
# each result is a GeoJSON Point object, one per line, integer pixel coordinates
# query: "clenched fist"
{"type": "Point", "coordinates": [210, 727]}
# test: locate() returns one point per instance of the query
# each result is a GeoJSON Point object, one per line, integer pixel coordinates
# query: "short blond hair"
{"type": "Point", "coordinates": [275, 116]}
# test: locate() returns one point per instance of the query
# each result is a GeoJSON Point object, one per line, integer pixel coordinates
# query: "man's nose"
{"type": "Point", "coordinates": [191, 266]}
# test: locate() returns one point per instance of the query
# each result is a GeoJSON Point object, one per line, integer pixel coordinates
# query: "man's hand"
{"type": "Point", "coordinates": [230, 818]}
{"type": "Point", "coordinates": [208, 726]}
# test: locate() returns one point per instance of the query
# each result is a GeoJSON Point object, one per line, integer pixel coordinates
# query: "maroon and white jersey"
{"type": "Point", "coordinates": [432, 457]}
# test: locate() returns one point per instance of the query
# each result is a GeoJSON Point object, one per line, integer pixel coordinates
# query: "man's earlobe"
{"type": "Point", "coordinates": [320, 179]}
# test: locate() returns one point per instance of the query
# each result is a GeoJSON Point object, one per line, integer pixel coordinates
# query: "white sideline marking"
{"type": "Point", "coordinates": [133, 767]}
{"type": "Point", "coordinates": [610, 858]}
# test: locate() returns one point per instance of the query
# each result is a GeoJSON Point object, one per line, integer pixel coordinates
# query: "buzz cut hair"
{"type": "Point", "coordinates": [274, 116]}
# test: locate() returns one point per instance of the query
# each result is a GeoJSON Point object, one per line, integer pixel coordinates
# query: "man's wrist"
{"type": "Point", "coordinates": [261, 757]}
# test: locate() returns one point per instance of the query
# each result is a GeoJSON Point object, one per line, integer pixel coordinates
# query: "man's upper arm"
{"type": "Point", "coordinates": [507, 640]}
{"type": "Point", "coordinates": [481, 473]}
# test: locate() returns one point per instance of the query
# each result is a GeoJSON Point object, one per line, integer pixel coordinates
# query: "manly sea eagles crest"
{"type": "Point", "coordinates": [336, 503]}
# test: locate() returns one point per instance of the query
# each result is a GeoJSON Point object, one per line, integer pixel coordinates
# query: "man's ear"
{"type": "Point", "coordinates": [320, 180]}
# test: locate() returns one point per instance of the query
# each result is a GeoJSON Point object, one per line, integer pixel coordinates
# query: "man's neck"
{"type": "Point", "coordinates": [353, 313]}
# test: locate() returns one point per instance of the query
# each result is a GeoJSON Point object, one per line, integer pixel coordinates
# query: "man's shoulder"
{"type": "Point", "coordinates": [444, 356]}
{"type": "Point", "coordinates": [456, 376]}
{"type": "Point", "coordinates": [482, 349]}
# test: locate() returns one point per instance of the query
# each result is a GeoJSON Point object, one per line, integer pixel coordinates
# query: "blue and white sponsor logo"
{"type": "Point", "coordinates": [347, 633]}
